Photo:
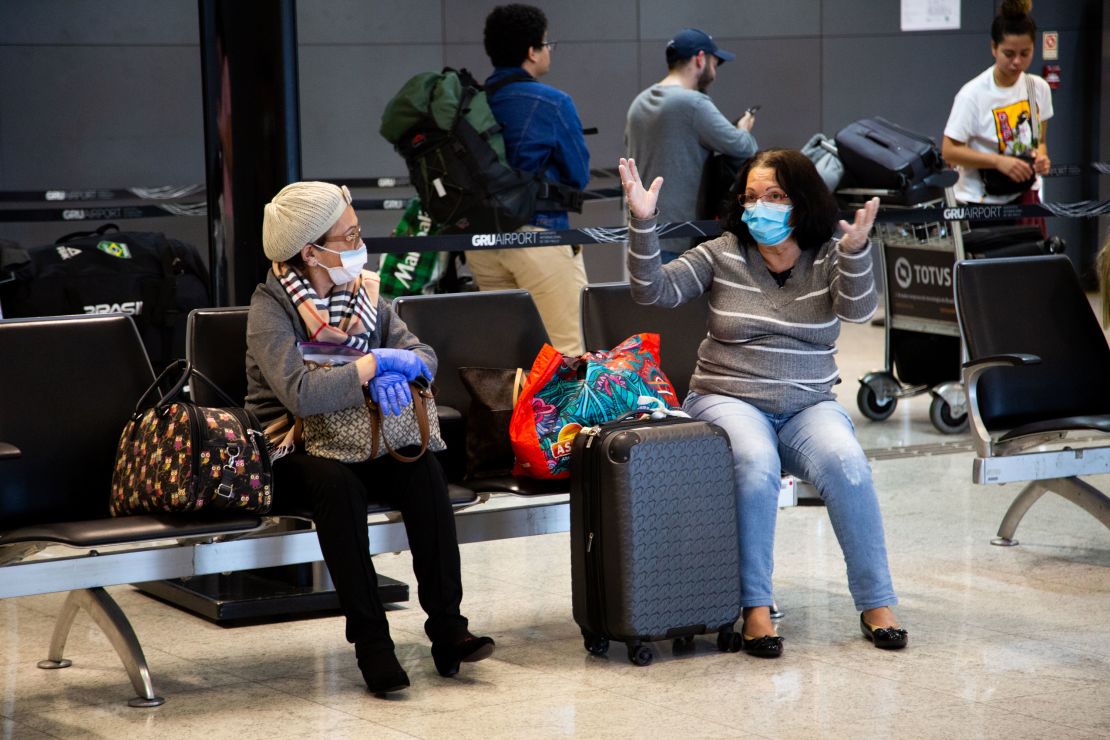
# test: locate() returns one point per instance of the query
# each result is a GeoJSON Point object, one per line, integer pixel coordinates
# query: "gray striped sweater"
{"type": "Point", "coordinates": [772, 347]}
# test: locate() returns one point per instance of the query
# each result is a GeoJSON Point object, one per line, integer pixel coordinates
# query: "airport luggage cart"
{"type": "Point", "coordinates": [920, 316]}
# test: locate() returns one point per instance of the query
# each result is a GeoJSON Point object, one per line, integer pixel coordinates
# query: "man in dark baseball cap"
{"type": "Point", "coordinates": [689, 41]}
{"type": "Point", "coordinates": [673, 127]}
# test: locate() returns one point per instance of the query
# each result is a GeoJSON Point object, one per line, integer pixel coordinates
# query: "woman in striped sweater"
{"type": "Point", "coordinates": [779, 284]}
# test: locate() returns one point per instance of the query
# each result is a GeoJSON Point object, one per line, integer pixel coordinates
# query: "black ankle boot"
{"type": "Point", "coordinates": [467, 649]}
{"type": "Point", "coordinates": [380, 668]}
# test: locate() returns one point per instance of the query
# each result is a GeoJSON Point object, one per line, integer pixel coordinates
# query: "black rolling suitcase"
{"type": "Point", "coordinates": [1005, 241]}
{"type": "Point", "coordinates": [882, 155]}
{"type": "Point", "coordinates": [654, 535]}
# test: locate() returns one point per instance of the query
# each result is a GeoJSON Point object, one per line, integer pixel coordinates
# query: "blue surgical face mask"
{"type": "Point", "coordinates": [769, 223]}
{"type": "Point", "coordinates": [353, 260]}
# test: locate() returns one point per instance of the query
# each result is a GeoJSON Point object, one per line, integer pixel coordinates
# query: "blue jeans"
{"type": "Point", "coordinates": [818, 444]}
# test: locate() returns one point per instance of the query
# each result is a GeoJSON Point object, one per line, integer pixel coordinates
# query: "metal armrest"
{"type": "Point", "coordinates": [972, 370]}
{"type": "Point", "coordinates": [9, 451]}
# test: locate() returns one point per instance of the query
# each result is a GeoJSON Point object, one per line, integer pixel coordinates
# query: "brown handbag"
{"type": "Point", "coordinates": [362, 432]}
{"type": "Point", "coordinates": [416, 425]}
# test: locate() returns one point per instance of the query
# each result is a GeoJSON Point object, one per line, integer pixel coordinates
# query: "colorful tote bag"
{"type": "Point", "coordinates": [564, 394]}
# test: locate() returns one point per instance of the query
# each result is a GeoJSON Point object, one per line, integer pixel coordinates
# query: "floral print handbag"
{"type": "Point", "coordinates": [176, 456]}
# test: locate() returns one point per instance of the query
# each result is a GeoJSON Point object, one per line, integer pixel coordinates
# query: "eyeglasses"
{"type": "Point", "coordinates": [550, 45]}
{"type": "Point", "coordinates": [351, 238]}
{"type": "Point", "coordinates": [774, 197]}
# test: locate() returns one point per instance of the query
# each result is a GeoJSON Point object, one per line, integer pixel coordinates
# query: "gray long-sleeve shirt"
{"type": "Point", "coordinates": [670, 131]}
{"type": "Point", "coordinates": [772, 347]}
{"type": "Point", "coordinates": [278, 382]}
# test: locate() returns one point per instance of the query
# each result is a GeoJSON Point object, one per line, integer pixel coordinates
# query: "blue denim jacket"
{"type": "Point", "coordinates": [542, 133]}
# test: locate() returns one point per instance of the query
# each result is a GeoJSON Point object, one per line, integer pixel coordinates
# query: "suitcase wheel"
{"type": "Point", "coordinates": [683, 644]}
{"type": "Point", "coordinates": [728, 640]}
{"type": "Point", "coordinates": [595, 645]}
{"type": "Point", "coordinates": [639, 654]}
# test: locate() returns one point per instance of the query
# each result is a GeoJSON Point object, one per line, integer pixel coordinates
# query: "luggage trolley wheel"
{"type": "Point", "coordinates": [940, 413]}
{"type": "Point", "coordinates": [728, 639]}
{"type": "Point", "coordinates": [683, 644]}
{"type": "Point", "coordinates": [868, 397]}
{"type": "Point", "coordinates": [639, 654]}
{"type": "Point", "coordinates": [595, 644]}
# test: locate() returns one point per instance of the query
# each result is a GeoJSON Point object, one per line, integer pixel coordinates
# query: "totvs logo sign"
{"type": "Point", "coordinates": [906, 274]}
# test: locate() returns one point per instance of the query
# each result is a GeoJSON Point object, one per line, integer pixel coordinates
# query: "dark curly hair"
{"type": "Point", "coordinates": [1013, 19]}
{"type": "Point", "coordinates": [511, 30]}
{"type": "Point", "coordinates": [815, 211]}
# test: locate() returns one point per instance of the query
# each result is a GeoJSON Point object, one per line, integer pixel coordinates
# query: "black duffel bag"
{"type": "Point", "coordinates": [881, 155]}
{"type": "Point", "coordinates": [155, 279]}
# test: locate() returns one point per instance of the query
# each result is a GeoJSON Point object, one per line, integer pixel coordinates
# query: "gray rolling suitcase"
{"type": "Point", "coordinates": [653, 535]}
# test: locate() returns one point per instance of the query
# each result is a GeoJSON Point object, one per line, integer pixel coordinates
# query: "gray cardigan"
{"type": "Point", "coordinates": [772, 347]}
{"type": "Point", "coordinates": [278, 381]}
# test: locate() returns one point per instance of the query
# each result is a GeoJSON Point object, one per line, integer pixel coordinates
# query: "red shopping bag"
{"type": "Point", "coordinates": [564, 394]}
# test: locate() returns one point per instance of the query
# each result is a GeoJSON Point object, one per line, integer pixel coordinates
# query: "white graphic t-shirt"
{"type": "Point", "coordinates": [994, 119]}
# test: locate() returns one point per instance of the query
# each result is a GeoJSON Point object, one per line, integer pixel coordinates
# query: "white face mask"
{"type": "Point", "coordinates": [353, 260]}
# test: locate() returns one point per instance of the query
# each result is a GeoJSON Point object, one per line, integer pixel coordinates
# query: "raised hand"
{"type": "Point", "coordinates": [641, 203]}
{"type": "Point", "coordinates": [854, 236]}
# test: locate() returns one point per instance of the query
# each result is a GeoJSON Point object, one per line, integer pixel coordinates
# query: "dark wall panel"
{"type": "Point", "coordinates": [343, 91]}
{"type": "Point", "coordinates": [661, 19]}
{"type": "Point", "coordinates": [87, 117]}
{"type": "Point", "coordinates": [855, 17]}
{"type": "Point", "coordinates": [116, 23]}
{"type": "Point", "coordinates": [370, 22]}
{"type": "Point", "coordinates": [897, 77]}
{"type": "Point", "coordinates": [567, 20]}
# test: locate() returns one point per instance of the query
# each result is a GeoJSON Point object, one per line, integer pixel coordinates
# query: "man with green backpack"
{"type": "Point", "coordinates": [511, 156]}
{"type": "Point", "coordinates": [542, 133]}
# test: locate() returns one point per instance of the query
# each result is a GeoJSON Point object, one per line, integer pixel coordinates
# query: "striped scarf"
{"type": "Point", "coordinates": [348, 316]}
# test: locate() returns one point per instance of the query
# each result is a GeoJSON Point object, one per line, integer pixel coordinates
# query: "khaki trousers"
{"type": "Point", "coordinates": [554, 276]}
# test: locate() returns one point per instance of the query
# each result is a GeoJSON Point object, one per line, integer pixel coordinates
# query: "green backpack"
{"type": "Point", "coordinates": [442, 126]}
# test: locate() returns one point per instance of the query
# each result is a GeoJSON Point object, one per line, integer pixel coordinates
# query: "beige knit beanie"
{"type": "Point", "coordinates": [300, 213]}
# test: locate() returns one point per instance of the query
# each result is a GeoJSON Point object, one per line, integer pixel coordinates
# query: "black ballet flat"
{"type": "Point", "coordinates": [884, 638]}
{"type": "Point", "coordinates": [470, 649]}
{"type": "Point", "coordinates": [768, 646]}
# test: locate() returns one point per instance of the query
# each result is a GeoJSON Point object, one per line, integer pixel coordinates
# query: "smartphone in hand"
{"type": "Point", "coordinates": [754, 109]}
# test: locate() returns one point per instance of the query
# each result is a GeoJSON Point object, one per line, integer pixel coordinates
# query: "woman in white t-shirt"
{"type": "Point", "coordinates": [991, 125]}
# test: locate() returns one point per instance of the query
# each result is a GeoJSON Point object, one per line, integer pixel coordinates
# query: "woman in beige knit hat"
{"type": "Point", "coordinates": [318, 301]}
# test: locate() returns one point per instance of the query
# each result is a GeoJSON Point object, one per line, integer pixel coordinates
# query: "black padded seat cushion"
{"type": "Point", "coordinates": [129, 529]}
{"type": "Point", "coordinates": [458, 495]}
{"type": "Point", "coordinates": [519, 486]}
{"type": "Point", "coordinates": [1100, 423]}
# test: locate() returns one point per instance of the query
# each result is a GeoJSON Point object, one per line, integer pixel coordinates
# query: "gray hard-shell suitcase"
{"type": "Point", "coordinates": [654, 536]}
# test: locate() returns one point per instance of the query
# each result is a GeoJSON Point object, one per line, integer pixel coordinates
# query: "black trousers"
{"type": "Point", "coordinates": [337, 494]}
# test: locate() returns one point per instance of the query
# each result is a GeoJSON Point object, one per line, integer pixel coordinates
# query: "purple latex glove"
{"type": "Point", "coordinates": [403, 361]}
{"type": "Point", "coordinates": [391, 392]}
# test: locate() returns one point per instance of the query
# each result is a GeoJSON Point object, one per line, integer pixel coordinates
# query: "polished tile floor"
{"type": "Point", "coordinates": [1010, 643]}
